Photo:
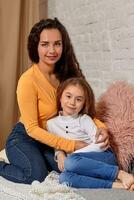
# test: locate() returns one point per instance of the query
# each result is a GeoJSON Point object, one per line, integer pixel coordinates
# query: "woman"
{"type": "Point", "coordinates": [28, 147]}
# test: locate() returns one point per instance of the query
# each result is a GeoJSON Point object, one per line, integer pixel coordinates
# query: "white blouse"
{"type": "Point", "coordinates": [77, 127]}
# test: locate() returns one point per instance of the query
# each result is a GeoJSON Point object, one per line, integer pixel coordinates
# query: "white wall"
{"type": "Point", "coordinates": [102, 33]}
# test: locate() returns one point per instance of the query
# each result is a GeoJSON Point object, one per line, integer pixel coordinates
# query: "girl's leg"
{"type": "Point", "coordinates": [26, 161]}
{"type": "Point", "coordinates": [106, 156]}
{"type": "Point", "coordinates": [80, 181]}
{"type": "Point", "coordinates": [82, 164]}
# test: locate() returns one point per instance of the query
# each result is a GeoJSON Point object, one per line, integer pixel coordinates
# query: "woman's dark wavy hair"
{"type": "Point", "coordinates": [68, 65]}
{"type": "Point", "coordinates": [89, 106]}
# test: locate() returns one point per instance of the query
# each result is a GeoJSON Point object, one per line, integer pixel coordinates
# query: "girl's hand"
{"type": "Point", "coordinates": [102, 137]}
{"type": "Point", "coordinates": [80, 144]}
{"type": "Point", "coordinates": [60, 159]}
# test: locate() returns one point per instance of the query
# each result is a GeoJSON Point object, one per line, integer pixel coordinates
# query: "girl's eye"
{"type": "Point", "coordinates": [68, 96]}
{"type": "Point", "coordinates": [79, 100]}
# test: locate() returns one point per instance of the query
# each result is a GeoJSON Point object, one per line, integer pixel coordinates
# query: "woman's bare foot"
{"type": "Point", "coordinates": [2, 159]}
{"type": "Point", "coordinates": [126, 179]}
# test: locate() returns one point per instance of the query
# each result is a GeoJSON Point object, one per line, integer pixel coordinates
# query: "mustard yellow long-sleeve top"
{"type": "Point", "coordinates": [37, 103]}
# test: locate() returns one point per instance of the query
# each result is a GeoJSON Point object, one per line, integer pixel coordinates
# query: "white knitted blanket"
{"type": "Point", "coordinates": [50, 189]}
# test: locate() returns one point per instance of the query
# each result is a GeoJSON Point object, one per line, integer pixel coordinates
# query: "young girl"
{"type": "Point", "coordinates": [89, 167]}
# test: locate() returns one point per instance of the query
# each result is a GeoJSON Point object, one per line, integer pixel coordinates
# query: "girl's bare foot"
{"type": "Point", "coordinates": [118, 185]}
{"type": "Point", "coordinates": [132, 187]}
{"type": "Point", "coordinates": [126, 179]}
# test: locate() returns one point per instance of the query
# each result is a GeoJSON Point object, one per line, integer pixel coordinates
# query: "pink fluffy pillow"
{"type": "Point", "coordinates": [116, 108]}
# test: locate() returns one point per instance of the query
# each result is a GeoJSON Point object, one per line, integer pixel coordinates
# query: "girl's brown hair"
{"type": "Point", "coordinates": [89, 106]}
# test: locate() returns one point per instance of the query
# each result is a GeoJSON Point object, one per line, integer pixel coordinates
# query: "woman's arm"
{"type": "Point", "coordinates": [27, 96]}
{"type": "Point", "coordinates": [103, 131]}
{"type": "Point", "coordinates": [99, 123]}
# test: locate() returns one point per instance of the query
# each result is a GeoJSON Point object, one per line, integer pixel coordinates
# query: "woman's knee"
{"type": "Point", "coordinates": [32, 165]}
{"type": "Point", "coordinates": [35, 173]}
{"type": "Point", "coordinates": [38, 172]}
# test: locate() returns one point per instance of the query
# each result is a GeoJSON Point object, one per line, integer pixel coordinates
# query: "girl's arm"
{"type": "Point", "coordinates": [60, 158]}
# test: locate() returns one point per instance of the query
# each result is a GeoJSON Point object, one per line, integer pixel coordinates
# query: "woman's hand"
{"type": "Point", "coordinates": [102, 137]}
{"type": "Point", "coordinates": [60, 159]}
{"type": "Point", "coordinates": [80, 144]}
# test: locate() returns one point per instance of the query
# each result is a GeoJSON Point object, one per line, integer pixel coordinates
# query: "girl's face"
{"type": "Point", "coordinates": [72, 100]}
{"type": "Point", "coordinates": [50, 46]}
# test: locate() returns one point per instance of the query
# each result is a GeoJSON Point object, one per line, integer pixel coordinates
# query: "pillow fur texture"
{"type": "Point", "coordinates": [116, 109]}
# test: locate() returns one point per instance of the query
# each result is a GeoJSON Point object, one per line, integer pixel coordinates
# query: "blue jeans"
{"type": "Point", "coordinates": [90, 170]}
{"type": "Point", "coordinates": [29, 159]}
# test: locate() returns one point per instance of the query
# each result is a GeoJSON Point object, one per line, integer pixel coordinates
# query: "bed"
{"type": "Point", "coordinates": [50, 189]}
{"type": "Point", "coordinates": [13, 191]}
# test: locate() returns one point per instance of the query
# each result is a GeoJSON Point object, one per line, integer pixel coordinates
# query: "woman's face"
{"type": "Point", "coordinates": [50, 46]}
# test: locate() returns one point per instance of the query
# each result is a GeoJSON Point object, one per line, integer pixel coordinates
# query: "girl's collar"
{"type": "Point", "coordinates": [67, 117]}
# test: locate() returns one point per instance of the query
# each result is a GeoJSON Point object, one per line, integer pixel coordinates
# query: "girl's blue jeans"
{"type": "Point", "coordinates": [90, 170]}
{"type": "Point", "coordinates": [29, 159]}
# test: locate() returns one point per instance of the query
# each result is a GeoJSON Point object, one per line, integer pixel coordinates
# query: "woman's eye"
{"type": "Point", "coordinates": [58, 44]}
{"type": "Point", "coordinates": [44, 44]}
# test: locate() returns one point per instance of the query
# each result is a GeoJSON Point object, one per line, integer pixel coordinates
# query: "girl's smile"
{"type": "Point", "coordinates": [72, 99]}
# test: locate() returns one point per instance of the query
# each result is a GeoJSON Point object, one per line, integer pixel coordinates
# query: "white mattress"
{"type": "Point", "coordinates": [9, 190]}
